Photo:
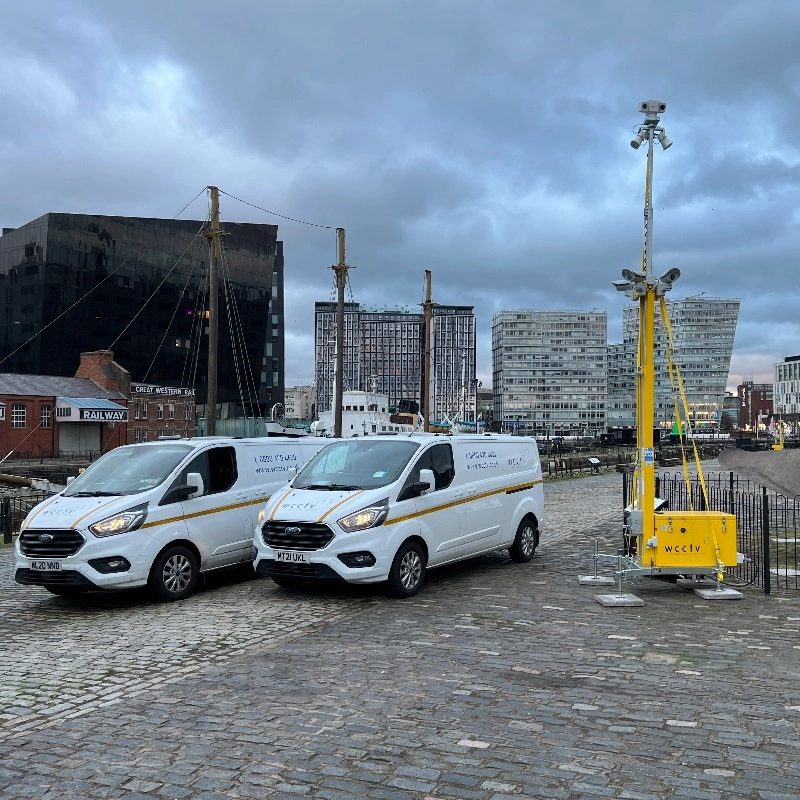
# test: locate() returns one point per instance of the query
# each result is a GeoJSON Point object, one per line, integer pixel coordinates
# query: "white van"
{"type": "Point", "coordinates": [386, 508]}
{"type": "Point", "coordinates": [156, 513]}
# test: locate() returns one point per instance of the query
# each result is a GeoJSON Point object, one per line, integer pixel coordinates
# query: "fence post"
{"type": "Point", "coordinates": [765, 539]}
{"type": "Point", "coordinates": [5, 519]}
{"type": "Point", "coordinates": [624, 489]}
{"type": "Point", "coordinates": [732, 506]}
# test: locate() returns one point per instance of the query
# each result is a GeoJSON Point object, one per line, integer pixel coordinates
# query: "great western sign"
{"type": "Point", "coordinates": [104, 415]}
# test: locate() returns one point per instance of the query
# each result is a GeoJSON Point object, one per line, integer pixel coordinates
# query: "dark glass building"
{"type": "Point", "coordinates": [76, 282]}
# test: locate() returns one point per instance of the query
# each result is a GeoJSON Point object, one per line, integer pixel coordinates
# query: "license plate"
{"type": "Point", "coordinates": [292, 557]}
{"type": "Point", "coordinates": [49, 566]}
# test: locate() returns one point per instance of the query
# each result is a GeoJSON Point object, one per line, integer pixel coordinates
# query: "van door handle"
{"type": "Point", "coordinates": [241, 496]}
{"type": "Point", "coordinates": [458, 494]}
{"type": "Point", "coordinates": [471, 490]}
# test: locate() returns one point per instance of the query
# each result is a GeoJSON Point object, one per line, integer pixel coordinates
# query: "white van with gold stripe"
{"type": "Point", "coordinates": [387, 508]}
{"type": "Point", "coordinates": [157, 513]}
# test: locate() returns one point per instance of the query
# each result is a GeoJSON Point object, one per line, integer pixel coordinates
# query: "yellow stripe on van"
{"type": "Point", "coordinates": [89, 514]}
{"type": "Point", "coordinates": [461, 501]}
{"type": "Point", "coordinates": [333, 508]}
{"type": "Point", "coordinates": [44, 506]}
{"type": "Point", "coordinates": [205, 513]}
{"type": "Point", "coordinates": [277, 505]}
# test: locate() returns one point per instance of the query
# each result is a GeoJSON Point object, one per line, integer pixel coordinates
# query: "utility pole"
{"type": "Point", "coordinates": [214, 234]}
{"type": "Point", "coordinates": [427, 308]}
{"type": "Point", "coordinates": [340, 270]}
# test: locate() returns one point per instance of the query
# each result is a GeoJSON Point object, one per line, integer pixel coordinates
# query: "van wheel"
{"type": "Point", "coordinates": [174, 574]}
{"type": "Point", "coordinates": [525, 541]}
{"type": "Point", "coordinates": [287, 582]}
{"type": "Point", "coordinates": [408, 571]}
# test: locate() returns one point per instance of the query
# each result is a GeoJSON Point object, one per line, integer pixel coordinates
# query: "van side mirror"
{"type": "Point", "coordinates": [193, 487]}
{"type": "Point", "coordinates": [427, 479]}
{"type": "Point", "coordinates": [70, 478]}
{"type": "Point", "coordinates": [194, 484]}
{"type": "Point", "coordinates": [291, 473]}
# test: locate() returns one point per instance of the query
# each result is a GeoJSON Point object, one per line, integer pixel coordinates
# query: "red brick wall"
{"type": "Point", "coordinates": [27, 439]}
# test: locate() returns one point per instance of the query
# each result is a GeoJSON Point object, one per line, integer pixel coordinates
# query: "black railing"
{"type": "Point", "coordinates": [767, 524]}
{"type": "Point", "coordinates": [14, 508]}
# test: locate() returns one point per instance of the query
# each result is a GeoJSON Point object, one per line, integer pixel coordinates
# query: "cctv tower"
{"type": "Point", "coordinates": [670, 542]}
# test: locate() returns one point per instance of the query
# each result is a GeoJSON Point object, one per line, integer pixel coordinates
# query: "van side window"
{"type": "Point", "coordinates": [438, 458]}
{"type": "Point", "coordinates": [217, 468]}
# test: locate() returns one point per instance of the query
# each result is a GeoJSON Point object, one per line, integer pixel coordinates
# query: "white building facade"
{"type": "Point", "coordinates": [786, 394]}
{"type": "Point", "coordinates": [703, 330]}
{"type": "Point", "coordinates": [549, 372]}
{"type": "Point", "coordinates": [300, 402]}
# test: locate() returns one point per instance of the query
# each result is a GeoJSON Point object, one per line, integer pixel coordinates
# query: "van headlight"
{"type": "Point", "coordinates": [129, 520]}
{"type": "Point", "coordinates": [262, 516]}
{"type": "Point", "coordinates": [369, 517]}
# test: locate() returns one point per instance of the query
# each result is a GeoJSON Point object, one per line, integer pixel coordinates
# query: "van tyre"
{"type": "Point", "coordinates": [525, 542]}
{"type": "Point", "coordinates": [407, 573]}
{"type": "Point", "coordinates": [174, 574]}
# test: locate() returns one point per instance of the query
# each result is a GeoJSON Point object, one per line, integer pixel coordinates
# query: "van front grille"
{"type": "Point", "coordinates": [296, 535]}
{"type": "Point", "coordinates": [50, 544]}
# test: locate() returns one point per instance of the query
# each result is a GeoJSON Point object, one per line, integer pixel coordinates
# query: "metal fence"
{"type": "Point", "coordinates": [766, 525]}
{"type": "Point", "coordinates": [14, 507]}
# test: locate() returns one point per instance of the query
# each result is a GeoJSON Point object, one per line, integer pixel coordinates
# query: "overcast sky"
{"type": "Point", "coordinates": [485, 141]}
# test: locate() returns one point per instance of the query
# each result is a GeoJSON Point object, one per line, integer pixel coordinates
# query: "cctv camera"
{"type": "Point", "coordinates": [671, 275]}
{"type": "Point", "coordinates": [621, 286]}
{"type": "Point", "coordinates": [664, 140]}
{"type": "Point", "coordinates": [633, 277]}
{"type": "Point", "coordinates": [637, 140]}
{"type": "Point", "coordinates": [652, 107]}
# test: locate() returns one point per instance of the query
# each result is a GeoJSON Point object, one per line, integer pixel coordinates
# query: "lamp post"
{"type": "Point", "coordinates": [643, 287]}
{"type": "Point", "coordinates": [476, 384]}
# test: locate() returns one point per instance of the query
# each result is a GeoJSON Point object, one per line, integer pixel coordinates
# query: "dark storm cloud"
{"type": "Point", "coordinates": [485, 141]}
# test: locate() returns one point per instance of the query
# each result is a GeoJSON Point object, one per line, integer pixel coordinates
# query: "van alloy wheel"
{"type": "Point", "coordinates": [525, 542]}
{"type": "Point", "coordinates": [174, 574]}
{"type": "Point", "coordinates": [407, 573]}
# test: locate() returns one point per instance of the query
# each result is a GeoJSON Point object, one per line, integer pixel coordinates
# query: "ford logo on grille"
{"type": "Point", "coordinates": [291, 530]}
{"type": "Point", "coordinates": [45, 537]}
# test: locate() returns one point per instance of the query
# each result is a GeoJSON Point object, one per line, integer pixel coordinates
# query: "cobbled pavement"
{"type": "Point", "coordinates": [497, 681]}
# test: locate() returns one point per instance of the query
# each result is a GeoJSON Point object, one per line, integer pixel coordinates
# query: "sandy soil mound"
{"type": "Point", "coordinates": [776, 469]}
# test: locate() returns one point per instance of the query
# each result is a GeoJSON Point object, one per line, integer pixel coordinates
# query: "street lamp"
{"type": "Point", "coordinates": [476, 384]}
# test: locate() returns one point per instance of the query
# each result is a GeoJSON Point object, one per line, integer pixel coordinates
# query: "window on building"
{"type": "Point", "coordinates": [18, 415]}
{"type": "Point", "coordinates": [171, 411]}
{"type": "Point", "coordinates": [136, 409]}
{"type": "Point", "coordinates": [160, 411]}
{"type": "Point", "coordinates": [2, 412]}
{"type": "Point", "coordinates": [46, 411]}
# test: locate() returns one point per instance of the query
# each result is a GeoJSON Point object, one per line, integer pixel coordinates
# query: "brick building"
{"type": "Point", "coordinates": [755, 405]}
{"type": "Point", "coordinates": [160, 411]}
{"type": "Point", "coordinates": [43, 414]}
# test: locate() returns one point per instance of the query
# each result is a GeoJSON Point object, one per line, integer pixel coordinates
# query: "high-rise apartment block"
{"type": "Point", "coordinates": [549, 372]}
{"type": "Point", "coordinates": [703, 330]}
{"type": "Point", "coordinates": [787, 388]}
{"type": "Point", "coordinates": [77, 282]}
{"type": "Point", "coordinates": [383, 353]}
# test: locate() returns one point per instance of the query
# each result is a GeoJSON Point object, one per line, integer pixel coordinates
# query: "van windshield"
{"type": "Point", "coordinates": [356, 464]}
{"type": "Point", "coordinates": [128, 470]}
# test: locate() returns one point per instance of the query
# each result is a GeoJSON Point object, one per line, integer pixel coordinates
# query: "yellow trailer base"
{"type": "Point", "coordinates": [691, 540]}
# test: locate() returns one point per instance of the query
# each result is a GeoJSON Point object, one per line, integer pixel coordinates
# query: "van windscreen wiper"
{"type": "Point", "coordinates": [95, 494]}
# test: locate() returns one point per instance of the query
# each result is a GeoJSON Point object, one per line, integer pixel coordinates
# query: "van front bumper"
{"type": "Point", "coordinates": [307, 572]}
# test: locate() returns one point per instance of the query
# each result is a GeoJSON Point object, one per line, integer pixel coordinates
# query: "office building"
{"type": "Point", "coordinates": [549, 372]}
{"type": "Point", "coordinates": [703, 330]}
{"type": "Point", "coordinates": [77, 282]}
{"type": "Point", "coordinates": [787, 389]}
{"type": "Point", "coordinates": [383, 354]}
{"type": "Point", "coordinates": [300, 402]}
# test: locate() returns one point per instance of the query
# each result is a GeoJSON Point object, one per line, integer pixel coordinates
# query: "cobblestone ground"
{"type": "Point", "coordinates": [499, 680]}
